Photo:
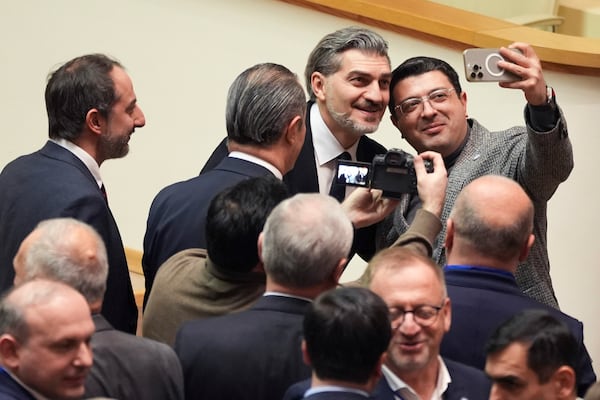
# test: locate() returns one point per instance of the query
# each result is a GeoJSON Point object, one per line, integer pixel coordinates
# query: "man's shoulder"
{"type": "Point", "coordinates": [11, 390]}
{"type": "Point", "coordinates": [368, 148]}
{"type": "Point", "coordinates": [466, 381]}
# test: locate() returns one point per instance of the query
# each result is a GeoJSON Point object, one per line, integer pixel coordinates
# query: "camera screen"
{"type": "Point", "coordinates": [353, 173]}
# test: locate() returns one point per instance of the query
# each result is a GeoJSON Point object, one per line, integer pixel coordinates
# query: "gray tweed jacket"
{"type": "Point", "coordinates": [539, 161]}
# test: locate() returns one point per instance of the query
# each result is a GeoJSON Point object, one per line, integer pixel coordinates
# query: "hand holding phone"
{"type": "Point", "coordinates": [481, 65]}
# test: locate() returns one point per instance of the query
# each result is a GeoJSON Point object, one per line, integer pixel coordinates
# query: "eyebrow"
{"type": "Point", "coordinates": [364, 73]}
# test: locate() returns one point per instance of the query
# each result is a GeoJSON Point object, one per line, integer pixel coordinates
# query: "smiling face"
{"type": "Point", "coordinates": [441, 127]}
{"type": "Point", "coordinates": [352, 100]}
{"type": "Point", "coordinates": [125, 115]}
{"type": "Point", "coordinates": [413, 348]}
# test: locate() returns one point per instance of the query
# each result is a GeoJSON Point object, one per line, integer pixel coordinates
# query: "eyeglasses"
{"type": "Point", "coordinates": [412, 104]}
{"type": "Point", "coordinates": [424, 315]}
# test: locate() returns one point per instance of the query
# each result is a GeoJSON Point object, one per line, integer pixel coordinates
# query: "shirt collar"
{"type": "Point", "coordinates": [83, 155]}
{"type": "Point", "coordinates": [326, 145]}
{"type": "Point", "coordinates": [396, 384]}
{"type": "Point", "coordinates": [256, 160]}
{"type": "Point", "coordinates": [291, 296]}
{"type": "Point", "coordinates": [320, 389]}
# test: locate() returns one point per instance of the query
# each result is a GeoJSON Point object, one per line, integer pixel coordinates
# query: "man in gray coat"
{"type": "Point", "coordinates": [429, 108]}
{"type": "Point", "coordinates": [125, 366]}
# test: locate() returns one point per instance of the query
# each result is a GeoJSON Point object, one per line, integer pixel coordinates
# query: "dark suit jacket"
{"type": "Point", "coordinates": [177, 216]}
{"type": "Point", "coordinates": [303, 177]}
{"type": "Point", "coordinates": [481, 301]}
{"type": "Point", "coordinates": [336, 396]}
{"type": "Point", "coordinates": [468, 383]}
{"type": "Point", "coordinates": [11, 390]}
{"type": "Point", "coordinates": [253, 354]}
{"type": "Point", "coordinates": [131, 367]}
{"type": "Point", "coordinates": [51, 183]}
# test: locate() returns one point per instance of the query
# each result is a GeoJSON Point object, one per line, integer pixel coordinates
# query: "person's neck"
{"type": "Point", "coordinates": [423, 381]}
{"type": "Point", "coordinates": [462, 257]}
{"type": "Point", "coordinates": [317, 382]}
{"type": "Point", "coordinates": [309, 292]}
{"type": "Point", "coordinates": [271, 154]}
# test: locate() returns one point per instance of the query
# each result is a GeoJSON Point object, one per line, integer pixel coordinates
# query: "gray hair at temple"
{"type": "Point", "coordinates": [304, 239]}
{"type": "Point", "coordinates": [326, 56]}
{"type": "Point", "coordinates": [68, 251]}
{"type": "Point", "coordinates": [261, 102]}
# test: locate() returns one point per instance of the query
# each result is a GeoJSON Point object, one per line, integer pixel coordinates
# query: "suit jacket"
{"type": "Point", "coordinates": [303, 177]}
{"type": "Point", "coordinates": [468, 383]}
{"type": "Point", "coordinates": [51, 183]}
{"type": "Point", "coordinates": [130, 367]}
{"type": "Point", "coordinates": [177, 215]}
{"type": "Point", "coordinates": [481, 301]}
{"type": "Point", "coordinates": [11, 389]}
{"type": "Point", "coordinates": [189, 286]}
{"type": "Point", "coordinates": [336, 395]}
{"type": "Point", "coordinates": [253, 354]}
{"type": "Point", "coordinates": [539, 162]}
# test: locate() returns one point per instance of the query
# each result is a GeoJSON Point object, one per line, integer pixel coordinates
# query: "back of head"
{"type": "Point", "coordinates": [346, 331]}
{"type": "Point", "coordinates": [418, 66]}
{"type": "Point", "coordinates": [493, 217]}
{"type": "Point", "coordinates": [593, 392]}
{"type": "Point", "coordinates": [235, 219]}
{"type": "Point", "coordinates": [326, 56]}
{"type": "Point", "coordinates": [65, 250]}
{"type": "Point", "coordinates": [75, 88]}
{"type": "Point", "coordinates": [305, 238]}
{"type": "Point", "coordinates": [260, 104]}
{"type": "Point", "coordinates": [551, 344]}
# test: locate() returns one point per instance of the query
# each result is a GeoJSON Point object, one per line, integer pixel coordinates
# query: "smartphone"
{"type": "Point", "coordinates": [481, 65]}
{"type": "Point", "coordinates": [353, 173]}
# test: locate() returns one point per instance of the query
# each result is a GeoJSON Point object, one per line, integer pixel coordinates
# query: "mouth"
{"type": "Point", "coordinates": [433, 128]}
{"type": "Point", "coordinates": [411, 347]}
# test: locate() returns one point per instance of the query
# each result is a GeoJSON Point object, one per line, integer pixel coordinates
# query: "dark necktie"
{"type": "Point", "coordinates": [103, 189]}
{"type": "Point", "coordinates": [338, 190]}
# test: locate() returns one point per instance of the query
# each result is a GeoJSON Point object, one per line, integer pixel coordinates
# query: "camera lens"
{"type": "Point", "coordinates": [473, 75]}
{"type": "Point", "coordinates": [480, 75]}
{"type": "Point", "coordinates": [475, 67]}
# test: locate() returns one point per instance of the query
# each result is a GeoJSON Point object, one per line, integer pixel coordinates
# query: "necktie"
{"type": "Point", "coordinates": [103, 189]}
{"type": "Point", "coordinates": [338, 190]}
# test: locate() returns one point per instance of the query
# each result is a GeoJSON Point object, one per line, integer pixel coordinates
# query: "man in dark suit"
{"type": "Point", "coordinates": [92, 112]}
{"type": "Point", "coordinates": [347, 78]}
{"type": "Point", "coordinates": [256, 354]}
{"type": "Point", "coordinates": [489, 231]}
{"type": "Point", "coordinates": [265, 129]}
{"type": "Point", "coordinates": [45, 330]}
{"type": "Point", "coordinates": [413, 288]}
{"type": "Point", "coordinates": [125, 366]}
{"type": "Point", "coordinates": [346, 333]}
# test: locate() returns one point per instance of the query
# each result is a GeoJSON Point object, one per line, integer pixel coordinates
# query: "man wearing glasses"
{"type": "Point", "coordinates": [429, 108]}
{"type": "Point", "coordinates": [413, 288]}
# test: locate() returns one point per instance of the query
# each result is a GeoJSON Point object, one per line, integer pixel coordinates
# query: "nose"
{"type": "Point", "coordinates": [84, 356]}
{"type": "Point", "coordinates": [428, 108]}
{"type": "Point", "coordinates": [409, 326]}
{"type": "Point", "coordinates": [140, 119]}
{"type": "Point", "coordinates": [375, 93]}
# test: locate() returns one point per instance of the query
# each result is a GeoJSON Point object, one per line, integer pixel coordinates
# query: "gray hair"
{"type": "Point", "coordinates": [261, 102]}
{"type": "Point", "coordinates": [18, 299]}
{"type": "Point", "coordinates": [57, 253]}
{"type": "Point", "coordinates": [326, 56]}
{"type": "Point", "coordinates": [304, 239]}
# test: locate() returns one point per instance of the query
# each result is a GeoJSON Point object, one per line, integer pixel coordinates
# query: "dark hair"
{"type": "Point", "coordinates": [261, 102]}
{"type": "Point", "coordinates": [418, 66]}
{"type": "Point", "coordinates": [346, 331]}
{"type": "Point", "coordinates": [235, 218]}
{"type": "Point", "coordinates": [326, 56]}
{"type": "Point", "coordinates": [78, 86]}
{"type": "Point", "coordinates": [551, 343]}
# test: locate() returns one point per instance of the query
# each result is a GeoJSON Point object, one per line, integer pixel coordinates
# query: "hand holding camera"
{"type": "Point", "coordinates": [431, 183]}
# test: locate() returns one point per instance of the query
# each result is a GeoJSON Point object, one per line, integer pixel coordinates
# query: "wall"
{"type": "Point", "coordinates": [182, 56]}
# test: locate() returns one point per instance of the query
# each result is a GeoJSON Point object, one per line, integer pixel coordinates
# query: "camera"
{"type": "Point", "coordinates": [393, 173]}
{"type": "Point", "coordinates": [481, 65]}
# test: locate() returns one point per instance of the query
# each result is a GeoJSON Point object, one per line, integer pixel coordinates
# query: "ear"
{"type": "Point", "coordinates": [563, 381]}
{"type": "Point", "coordinates": [94, 121]}
{"type": "Point", "coordinates": [295, 131]}
{"type": "Point", "coordinates": [317, 82]}
{"type": "Point", "coordinates": [339, 270]}
{"type": "Point", "coordinates": [463, 99]}
{"type": "Point", "coordinates": [449, 241]}
{"type": "Point", "coordinates": [9, 351]}
{"type": "Point", "coordinates": [447, 310]}
{"type": "Point", "coordinates": [305, 356]}
{"type": "Point", "coordinates": [260, 247]}
{"type": "Point", "coordinates": [526, 247]}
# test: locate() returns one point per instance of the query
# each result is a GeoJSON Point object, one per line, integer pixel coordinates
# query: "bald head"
{"type": "Point", "coordinates": [491, 218]}
{"type": "Point", "coordinates": [68, 251]}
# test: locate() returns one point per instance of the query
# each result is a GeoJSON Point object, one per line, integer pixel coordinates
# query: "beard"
{"type": "Point", "coordinates": [345, 121]}
{"type": "Point", "coordinates": [112, 146]}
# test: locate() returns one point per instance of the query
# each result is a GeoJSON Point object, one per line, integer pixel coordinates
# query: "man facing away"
{"type": "Point", "coordinates": [489, 232]}
{"type": "Point", "coordinates": [125, 366]}
{"type": "Point", "coordinates": [347, 78]}
{"type": "Point", "coordinates": [429, 108]}
{"type": "Point", "coordinates": [265, 128]}
{"type": "Point", "coordinates": [45, 331]}
{"type": "Point", "coordinates": [532, 356]}
{"type": "Point", "coordinates": [92, 113]}
{"type": "Point", "coordinates": [256, 354]}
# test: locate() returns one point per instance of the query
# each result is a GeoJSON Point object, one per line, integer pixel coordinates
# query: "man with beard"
{"type": "Point", "coordinates": [92, 112]}
{"type": "Point", "coordinates": [347, 78]}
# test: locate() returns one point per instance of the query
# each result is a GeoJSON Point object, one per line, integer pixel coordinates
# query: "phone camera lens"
{"type": "Point", "coordinates": [475, 67]}
{"type": "Point", "coordinates": [480, 75]}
